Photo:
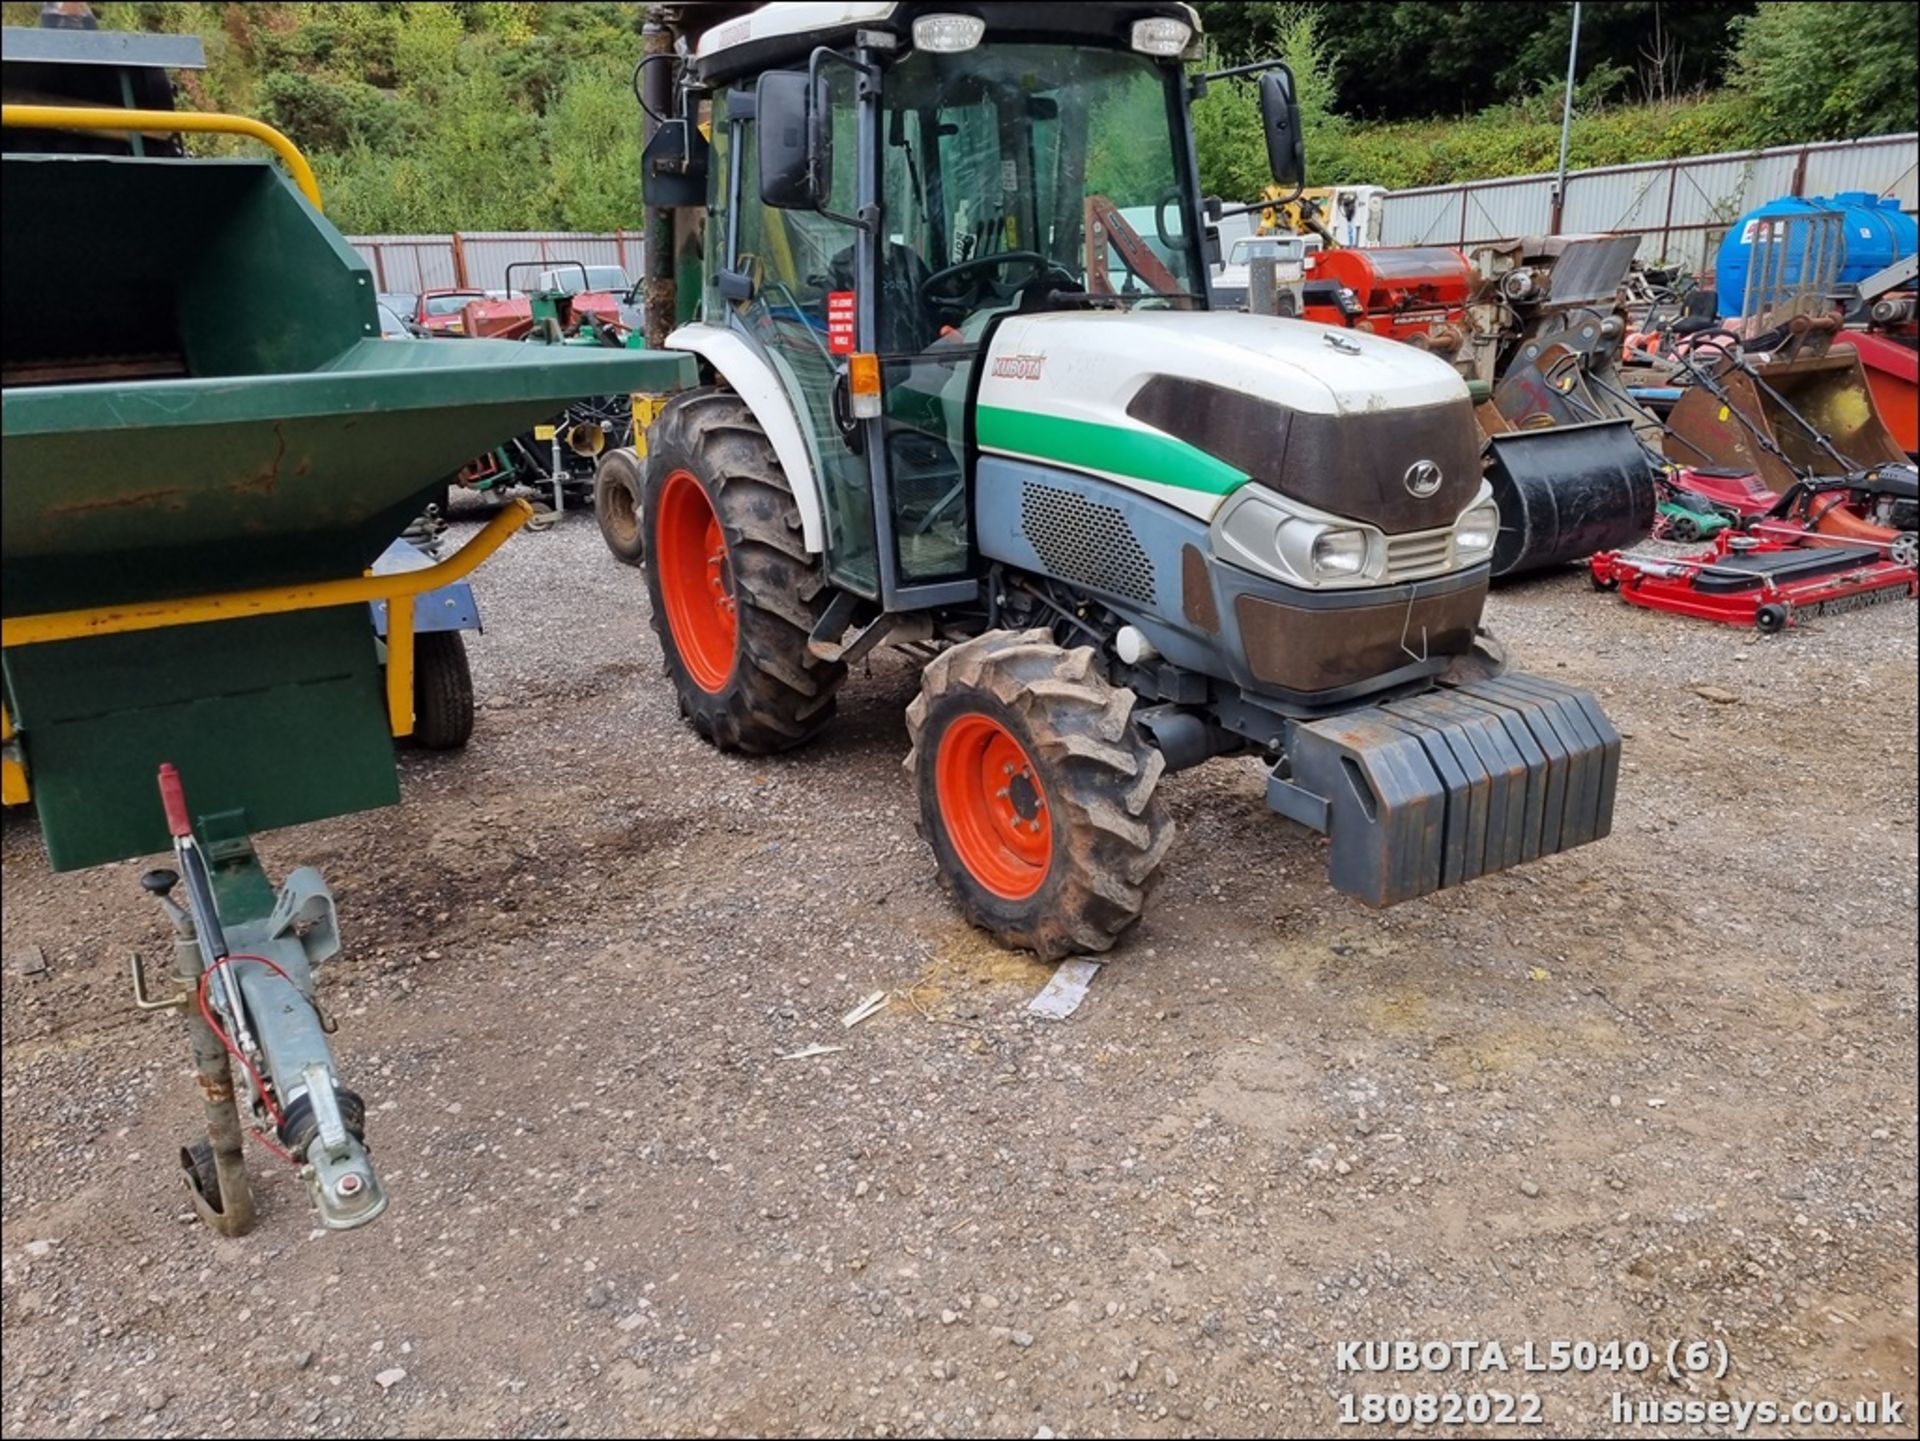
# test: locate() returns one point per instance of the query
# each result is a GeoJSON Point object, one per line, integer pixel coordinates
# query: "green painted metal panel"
{"type": "Point", "coordinates": [1084, 445]}
{"type": "Point", "coordinates": [282, 717]}
{"type": "Point", "coordinates": [197, 400]}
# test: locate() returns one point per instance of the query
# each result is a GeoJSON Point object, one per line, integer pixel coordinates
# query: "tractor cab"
{"type": "Point", "coordinates": [881, 197]}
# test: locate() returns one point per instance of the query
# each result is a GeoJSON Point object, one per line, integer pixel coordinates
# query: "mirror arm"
{"type": "Point", "coordinates": [1197, 87]}
{"type": "Point", "coordinates": [1287, 199]}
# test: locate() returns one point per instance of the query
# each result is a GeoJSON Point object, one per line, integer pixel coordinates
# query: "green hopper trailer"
{"type": "Point", "coordinates": [206, 446]}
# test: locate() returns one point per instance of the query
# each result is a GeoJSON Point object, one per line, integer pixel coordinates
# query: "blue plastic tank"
{"type": "Point", "coordinates": [1876, 231]}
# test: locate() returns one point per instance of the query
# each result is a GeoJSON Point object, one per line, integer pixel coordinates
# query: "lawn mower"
{"type": "Point", "coordinates": [1757, 580]}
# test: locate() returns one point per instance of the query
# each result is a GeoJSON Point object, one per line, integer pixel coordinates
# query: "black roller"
{"type": "Point", "coordinates": [1568, 491]}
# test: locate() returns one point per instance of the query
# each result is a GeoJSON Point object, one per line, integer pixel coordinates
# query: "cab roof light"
{"type": "Point", "coordinates": [1160, 35]}
{"type": "Point", "coordinates": [949, 34]}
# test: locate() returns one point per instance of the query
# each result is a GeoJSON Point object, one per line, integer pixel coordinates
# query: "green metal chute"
{"type": "Point", "coordinates": [196, 401]}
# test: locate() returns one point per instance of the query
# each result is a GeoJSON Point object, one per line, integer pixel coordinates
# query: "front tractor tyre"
{"type": "Point", "coordinates": [734, 592]}
{"type": "Point", "coordinates": [1037, 792]}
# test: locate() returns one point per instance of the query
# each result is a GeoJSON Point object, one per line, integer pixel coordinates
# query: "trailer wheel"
{"type": "Point", "coordinates": [617, 484]}
{"type": "Point", "coordinates": [734, 592]}
{"type": "Point", "coordinates": [1772, 618]}
{"type": "Point", "coordinates": [442, 691]}
{"type": "Point", "coordinates": [1037, 792]}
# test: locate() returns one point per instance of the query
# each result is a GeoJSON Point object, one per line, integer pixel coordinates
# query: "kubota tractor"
{"type": "Point", "coordinates": [967, 390]}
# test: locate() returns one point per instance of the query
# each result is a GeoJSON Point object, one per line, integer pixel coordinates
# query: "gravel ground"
{"type": "Point", "coordinates": [1658, 1089]}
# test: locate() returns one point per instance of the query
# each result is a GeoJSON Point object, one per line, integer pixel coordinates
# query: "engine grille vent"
{"type": "Point", "coordinates": [1417, 556]}
{"type": "Point", "coordinates": [1084, 542]}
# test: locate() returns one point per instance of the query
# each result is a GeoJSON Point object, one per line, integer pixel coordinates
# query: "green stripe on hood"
{"type": "Point", "coordinates": [1084, 445]}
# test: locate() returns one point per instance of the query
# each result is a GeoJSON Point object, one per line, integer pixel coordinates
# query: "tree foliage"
{"type": "Point", "coordinates": [1829, 71]}
{"type": "Point", "coordinates": [504, 114]}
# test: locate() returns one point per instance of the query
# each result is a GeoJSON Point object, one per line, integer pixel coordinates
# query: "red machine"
{"type": "Point", "coordinates": [1757, 581]}
{"type": "Point", "coordinates": [1416, 294]}
{"type": "Point", "coordinates": [1862, 509]}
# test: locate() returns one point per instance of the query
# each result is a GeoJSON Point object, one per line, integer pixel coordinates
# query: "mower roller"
{"type": "Point", "coordinates": [207, 446]}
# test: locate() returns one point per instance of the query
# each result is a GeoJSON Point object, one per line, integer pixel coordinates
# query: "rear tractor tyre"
{"type": "Point", "coordinates": [442, 691]}
{"type": "Point", "coordinates": [734, 592]}
{"type": "Point", "coordinates": [618, 482]}
{"type": "Point", "coordinates": [1037, 792]}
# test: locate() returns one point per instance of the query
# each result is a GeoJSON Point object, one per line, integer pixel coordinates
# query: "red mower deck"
{"type": "Point", "coordinates": [1756, 581]}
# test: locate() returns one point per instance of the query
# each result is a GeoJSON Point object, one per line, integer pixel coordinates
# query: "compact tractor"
{"type": "Point", "coordinates": [966, 393]}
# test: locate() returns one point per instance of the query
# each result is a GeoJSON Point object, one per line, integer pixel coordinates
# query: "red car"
{"type": "Point", "coordinates": [438, 311]}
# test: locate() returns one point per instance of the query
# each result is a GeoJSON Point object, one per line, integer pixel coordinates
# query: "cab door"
{"type": "Point", "coordinates": [778, 269]}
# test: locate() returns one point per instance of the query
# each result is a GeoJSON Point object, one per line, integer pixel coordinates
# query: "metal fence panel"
{"type": "Point", "coordinates": [409, 263]}
{"type": "Point", "coordinates": [1681, 208]}
{"type": "Point", "coordinates": [1875, 166]}
{"type": "Point", "coordinates": [479, 259]}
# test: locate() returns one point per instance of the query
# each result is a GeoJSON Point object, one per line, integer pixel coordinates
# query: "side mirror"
{"type": "Point", "coordinates": [673, 168]}
{"type": "Point", "coordinates": [793, 140]}
{"type": "Point", "coordinates": [1280, 119]}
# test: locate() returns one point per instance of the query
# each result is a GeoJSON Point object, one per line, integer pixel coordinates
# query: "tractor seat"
{"type": "Point", "coordinates": [1738, 573]}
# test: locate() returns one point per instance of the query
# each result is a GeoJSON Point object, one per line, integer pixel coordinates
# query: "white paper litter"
{"type": "Point", "coordinates": [871, 1006]}
{"type": "Point", "coordinates": [1062, 995]}
{"type": "Point", "coordinates": [814, 1050]}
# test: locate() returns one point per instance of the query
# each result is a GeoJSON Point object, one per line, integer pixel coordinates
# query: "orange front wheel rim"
{"type": "Point", "coordinates": [696, 582]}
{"type": "Point", "coordinates": [994, 808]}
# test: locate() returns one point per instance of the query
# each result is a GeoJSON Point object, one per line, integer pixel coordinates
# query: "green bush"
{"type": "Point", "coordinates": [1833, 71]}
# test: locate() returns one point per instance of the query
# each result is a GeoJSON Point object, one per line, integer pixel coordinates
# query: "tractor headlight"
{"type": "Point", "coordinates": [1340, 552]}
{"type": "Point", "coordinates": [1475, 533]}
{"type": "Point", "coordinates": [1162, 35]}
{"type": "Point", "coordinates": [948, 34]}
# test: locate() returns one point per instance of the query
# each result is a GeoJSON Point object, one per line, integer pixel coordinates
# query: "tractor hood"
{"type": "Point", "coordinates": [1190, 405]}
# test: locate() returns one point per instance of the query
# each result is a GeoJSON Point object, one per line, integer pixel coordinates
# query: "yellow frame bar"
{"type": "Point", "coordinates": [86, 117]}
{"type": "Point", "coordinates": [277, 600]}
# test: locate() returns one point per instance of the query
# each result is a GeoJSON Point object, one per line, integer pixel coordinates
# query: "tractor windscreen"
{"type": "Point", "coordinates": [1014, 164]}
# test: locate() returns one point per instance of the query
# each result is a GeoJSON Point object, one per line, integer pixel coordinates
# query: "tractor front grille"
{"type": "Point", "coordinates": [1419, 556]}
{"type": "Point", "coordinates": [1082, 541]}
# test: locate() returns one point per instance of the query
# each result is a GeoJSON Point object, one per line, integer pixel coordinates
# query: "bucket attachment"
{"type": "Point", "coordinates": [1435, 790]}
{"type": "Point", "coordinates": [1794, 405]}
{"type": "Point", "coordinates": [1567, 491]}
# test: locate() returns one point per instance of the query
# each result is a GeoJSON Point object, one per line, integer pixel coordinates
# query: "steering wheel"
{"type": "Point", "coordinates": [930, 287]}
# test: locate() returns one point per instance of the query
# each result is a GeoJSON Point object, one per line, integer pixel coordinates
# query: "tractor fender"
{"type": "Point", "coordinates": [739, 362]}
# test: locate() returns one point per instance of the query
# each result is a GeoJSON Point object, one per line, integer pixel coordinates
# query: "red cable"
{"type": "Point", "coordinates": [259, 1085]}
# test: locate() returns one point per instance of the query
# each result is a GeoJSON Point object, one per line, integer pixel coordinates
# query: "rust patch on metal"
{"type": "Point", "coordinates": [119, 502]}
{"type": "Point", "coordinates": [1196, 591]}
{"type": "Point", "coordinates": [217, 1092]}
{"type": "Point", "coordinates": [264, 480]}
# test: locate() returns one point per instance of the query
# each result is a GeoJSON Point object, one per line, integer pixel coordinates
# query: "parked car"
{"type": "Point", "coordinates": [438, 311]}
{"type": "Point", "coordinates": [392, 326]}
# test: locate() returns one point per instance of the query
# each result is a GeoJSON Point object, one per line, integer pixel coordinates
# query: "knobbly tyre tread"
{"type": "Point", "coordinates": [1099, 774]}
{"type": "Point", "coordinates": [442, 691]}
{"type": "Point", "coordinates": [618, 484]}
{"type": "Point", "coordinates": [780, 695]}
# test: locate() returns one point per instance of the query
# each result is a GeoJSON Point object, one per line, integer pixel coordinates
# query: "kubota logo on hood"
{"type": "Point", "coordinates": [1019, 367]}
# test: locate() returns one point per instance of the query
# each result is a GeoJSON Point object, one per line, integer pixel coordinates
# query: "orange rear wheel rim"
{"type": "Point", "coordinates": [993, 807]}
{"type": "Point", "coordinates": [696, 582]}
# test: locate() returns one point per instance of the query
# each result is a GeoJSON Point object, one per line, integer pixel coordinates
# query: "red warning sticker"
{"type": "Point", "coordinates": [840, 322]}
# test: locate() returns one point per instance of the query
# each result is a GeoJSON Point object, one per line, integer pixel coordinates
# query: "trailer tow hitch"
{"type": "Point", "coordinates": [244, 957]}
